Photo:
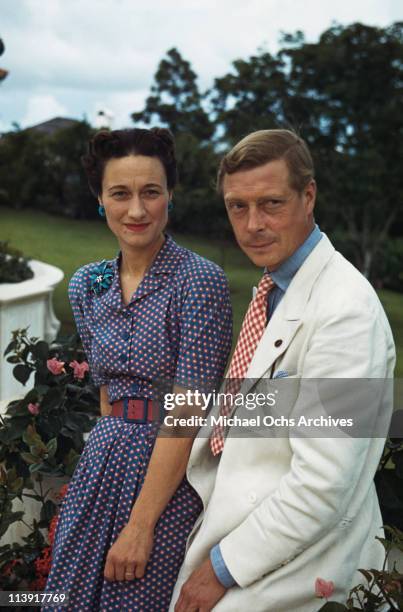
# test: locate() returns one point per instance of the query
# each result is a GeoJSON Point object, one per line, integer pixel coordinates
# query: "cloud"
{"type": "Point", "coordinates": [41, 108]}
{"type": "Point", "coordinates": [121, 104]}
{"type": "Point", "coordinates": [107, 51]}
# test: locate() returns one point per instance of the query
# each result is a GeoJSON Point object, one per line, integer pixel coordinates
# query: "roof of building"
{"type": "Point", "coordinates": [54, 125]}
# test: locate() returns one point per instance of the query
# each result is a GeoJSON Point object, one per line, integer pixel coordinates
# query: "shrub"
{"type": "Point", "coordinates": [13, 266]}
{"type": "Point", "coordinates": [40, 434]}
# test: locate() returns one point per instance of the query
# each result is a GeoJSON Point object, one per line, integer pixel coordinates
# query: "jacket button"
{"type": "Point", "coordinates": [252, 497]}
{"type": "Point", "coordinates": [278, 343]}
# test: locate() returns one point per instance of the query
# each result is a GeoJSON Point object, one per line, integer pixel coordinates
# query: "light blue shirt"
{"type": "Point", "coordinates": [282, 277]}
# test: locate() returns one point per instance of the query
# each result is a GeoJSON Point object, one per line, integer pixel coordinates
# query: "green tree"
{"type": "Point", "coordinates": [175, 100]}
{"type": "Point", "coordinates": [3, 73]}
{"type": "Point", "coordinates": [43, 171]}
{"type": "Point", "coordinates": [344, 95]}
{"type": "Point", "coordinates": [68, 189]}
{"type": "Point", "coordinates": [352, 82]}
{"type": "Point", "coordinates": [176, 103]}
{"type": "Point", "coordinates": [251, 97]}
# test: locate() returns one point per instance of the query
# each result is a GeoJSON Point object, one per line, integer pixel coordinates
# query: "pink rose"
{"type": "Point", "coordinates": [79, 368]}
{"type": "Point", "coordinates": [55, 366]}
{"type": "Point", "coordinates": [324, 588]}
{"type": "Point", "coordinates": [33, 408]}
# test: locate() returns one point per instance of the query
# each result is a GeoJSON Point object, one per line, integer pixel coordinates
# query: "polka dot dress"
{"type": "Point", "coordinates": [177, 326]}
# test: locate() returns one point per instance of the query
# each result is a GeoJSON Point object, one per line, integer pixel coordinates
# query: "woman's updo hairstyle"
{"type": "Point", "coordinates": [106, 145]}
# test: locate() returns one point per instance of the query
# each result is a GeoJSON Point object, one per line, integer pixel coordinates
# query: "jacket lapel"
{"type": "Point", "coordinates": [283, 325]}
{"type": "Point", "coordinates": [287, 317]}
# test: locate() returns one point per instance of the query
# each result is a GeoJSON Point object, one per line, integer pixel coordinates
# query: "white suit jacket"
{"type": "Point", "coordinates": [288, 510]}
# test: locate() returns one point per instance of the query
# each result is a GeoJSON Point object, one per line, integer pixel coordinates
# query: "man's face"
{"type": "Point", "coordinates": [269, 218]}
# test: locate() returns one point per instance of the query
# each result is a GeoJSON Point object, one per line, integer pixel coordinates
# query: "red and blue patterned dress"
{"type": "Point", "coordinates": [178, 326]}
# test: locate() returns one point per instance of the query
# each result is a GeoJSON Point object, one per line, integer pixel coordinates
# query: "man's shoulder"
{"type": "Point", "coordinates": [342, 281]}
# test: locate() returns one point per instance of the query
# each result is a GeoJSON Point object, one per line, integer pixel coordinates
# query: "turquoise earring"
{"type": "Point", "coordinates": [170, 206]}
{"type": "Point", "coordinates": [101, 211]}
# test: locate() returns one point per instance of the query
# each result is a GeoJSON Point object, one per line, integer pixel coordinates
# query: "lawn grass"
{"type": "Point", "coordinates": [68, 244]}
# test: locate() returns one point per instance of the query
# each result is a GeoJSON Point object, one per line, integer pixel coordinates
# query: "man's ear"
{"type": "Point", "coordinates": [310, 196]}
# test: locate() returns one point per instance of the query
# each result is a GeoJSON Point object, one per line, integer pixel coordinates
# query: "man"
{"type": "Point", "coordinates": [279, 512]}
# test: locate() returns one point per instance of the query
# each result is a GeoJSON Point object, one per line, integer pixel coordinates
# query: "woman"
{"type": "Point", "coordinates": [158, 311]}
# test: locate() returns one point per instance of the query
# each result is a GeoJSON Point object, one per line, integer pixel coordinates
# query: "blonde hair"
{"type": "Point", "coordinates": [264, 146]}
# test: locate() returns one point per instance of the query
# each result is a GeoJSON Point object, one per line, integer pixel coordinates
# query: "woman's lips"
{"type": "Point", "coordinates": [136, 227]}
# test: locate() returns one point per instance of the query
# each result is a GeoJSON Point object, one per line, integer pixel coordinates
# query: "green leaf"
{"type": "Point", "coordinates": [38, 451]}
{"type": "Point", "coordinates": [40, 350]}
{"type": "Point", "coordinates": [333, 606]}
{"type": "Point", "coordinates": [30, 459]}
{"type": "Point", "coordinates": [13, 359]}
{"type": "Point", "coordinates": [388, 487]}
{"type": "Point", "coordinates": [52, 447]}
{"type": "Point", "coordinates": [36, 467]}
{"type": "Point", "coordinates": [77, 421]}
{"type": "Point", "coordinates": [53, 398]}
{"type": "Point", "coordinates": [32, 438]}
{"type": "Point", "coordinates": [35, 497]}
{"type": "Point", "coordinates": [42, 389]}
{"type": "Point", "coordinates": [48, 510]}
{"type": "Point", "coordinates": [31, 397]}
{"type": "Point", "coordinates": [17, 485]}
{"type": "Point", "coordinates": [22, 373]}
{"type": "Point", "coordinates": [367, 575]}
{"type": "Point", "coordinates": [18, 426]}
{"type": "Point", "coordinates": [10, 347]}
{"type": "Point", "coordinates": [398, 460]}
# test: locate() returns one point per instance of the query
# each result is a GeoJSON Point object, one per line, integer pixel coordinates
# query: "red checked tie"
{"type": "Point", "coordinates": [252, 330]}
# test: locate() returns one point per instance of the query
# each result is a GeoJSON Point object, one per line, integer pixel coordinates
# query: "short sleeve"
{"type": "Point", "coordinates": [80, 303]}
{"type": "Point", "coordinates": [206, 328]}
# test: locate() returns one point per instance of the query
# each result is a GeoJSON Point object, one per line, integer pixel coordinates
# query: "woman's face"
{"type": "Point", "coordinates": [135, 197]}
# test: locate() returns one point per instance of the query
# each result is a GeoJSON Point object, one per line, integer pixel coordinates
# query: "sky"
{"type": "Point", "coordinates": [72, 58]}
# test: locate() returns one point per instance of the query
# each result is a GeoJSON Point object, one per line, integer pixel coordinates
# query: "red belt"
{"type": "Point", "coordinates": [135, 410]}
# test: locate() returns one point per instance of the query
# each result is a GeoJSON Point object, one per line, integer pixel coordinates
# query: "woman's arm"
{"type": "Point", "coordinates": [206, 333]}
{"type": "Point", "coordinates": [105, 406]}
{"type": "Point", "coordinates": [165, 472]}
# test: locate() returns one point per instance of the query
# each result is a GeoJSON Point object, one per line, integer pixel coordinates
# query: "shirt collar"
{"type": "Point", "coordinates": [284, 274]}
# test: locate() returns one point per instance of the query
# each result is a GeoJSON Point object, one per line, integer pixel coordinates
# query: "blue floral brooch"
{"type": "Point", "coordinates": [101, 277]}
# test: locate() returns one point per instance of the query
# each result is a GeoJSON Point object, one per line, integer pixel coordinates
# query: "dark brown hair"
{"type": "Point", "coordinates": [106, 145]}
{"type": "Point", "coordinates": [264, 146]}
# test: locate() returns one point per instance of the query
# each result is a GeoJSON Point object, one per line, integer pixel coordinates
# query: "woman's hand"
{"type": "Point", "coordinates": [128, 557]}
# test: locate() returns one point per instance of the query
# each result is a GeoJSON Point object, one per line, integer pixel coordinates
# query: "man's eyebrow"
{"type": "Point", "coordinates": [232, 199]}
{"type": "Point", "coordinates": [272, 196]}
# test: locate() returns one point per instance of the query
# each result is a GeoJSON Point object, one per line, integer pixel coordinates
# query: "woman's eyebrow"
{"type": "Point", "coordinates": [117, 187]}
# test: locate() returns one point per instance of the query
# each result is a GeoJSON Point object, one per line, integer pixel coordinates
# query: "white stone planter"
{"type": "Point", "coordinates": [27, 304]}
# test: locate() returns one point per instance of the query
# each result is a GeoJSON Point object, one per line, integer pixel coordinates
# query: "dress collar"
{"type": "Point", "coordinates": [165, 263]}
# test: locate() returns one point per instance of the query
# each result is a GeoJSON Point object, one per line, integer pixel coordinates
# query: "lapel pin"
{"type": "Point", "coordinates": [278, 343]}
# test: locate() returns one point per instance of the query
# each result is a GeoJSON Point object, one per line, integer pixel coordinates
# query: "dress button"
{"type": "Point", "coordinates": [125, 335]}
{"type": "Point", "coordinates": [123, 358]}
